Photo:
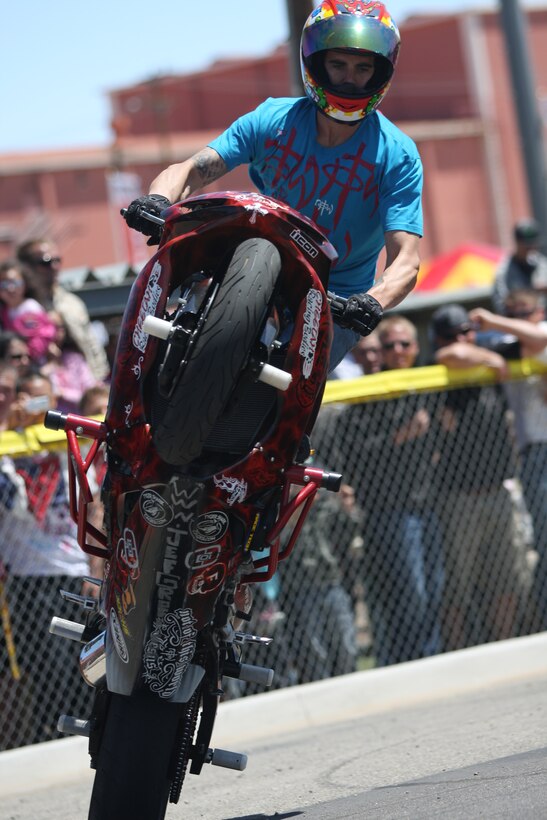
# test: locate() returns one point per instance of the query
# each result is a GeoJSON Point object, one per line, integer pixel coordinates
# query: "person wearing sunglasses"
{"type": "Point", "coordinates": [391, 471]}
{"type": "Point", "coordinates": [368, 355]}
{"type": "Point", "coordinates": [42, 256]}
{"type": "Point", "coordinates": [455, 342]}
{"type": "Point", "coordinates": [14, 350]}
{"type": "Point", "coordinates": [474, 475]}
{"type": "Point", "coordinates": [22, 313]}
{"type": "Point", "coordinates": [399, 342]}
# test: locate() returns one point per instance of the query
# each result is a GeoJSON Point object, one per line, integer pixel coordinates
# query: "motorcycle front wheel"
{"type": "Point", "coordinates": [232, 327]}
{"type": "Point", "coordinates": [134, 765]}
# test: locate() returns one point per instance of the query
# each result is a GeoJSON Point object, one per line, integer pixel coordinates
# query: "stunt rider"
{"type": "Point", "coordinates": [332, 156]}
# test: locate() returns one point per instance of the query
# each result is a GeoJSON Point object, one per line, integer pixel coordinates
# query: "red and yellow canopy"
{"type": "Point", "coordinates": [466, 267]}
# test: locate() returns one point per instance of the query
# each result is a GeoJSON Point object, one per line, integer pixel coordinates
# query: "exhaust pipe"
{"type": "Point", "coordinates": [93, 660]}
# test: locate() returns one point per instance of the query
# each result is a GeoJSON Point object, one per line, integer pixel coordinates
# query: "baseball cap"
{"type": "Point", "coordinates": [527, 230]}
{"type": "Point", "coordinates": [449, 320]}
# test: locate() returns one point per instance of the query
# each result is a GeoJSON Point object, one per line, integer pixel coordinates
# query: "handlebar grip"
{"type": "Point", "coordinates": [331, 481]}
{"type": "Point", "coordinates": [337, 304]}
{"type": "Point", "coordinates": [55, 420]}
{"type": "Point", "coordinates": [157, 220]}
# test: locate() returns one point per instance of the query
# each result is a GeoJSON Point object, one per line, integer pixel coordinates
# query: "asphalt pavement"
{"type": "Point", "coordinates": [462, 735]}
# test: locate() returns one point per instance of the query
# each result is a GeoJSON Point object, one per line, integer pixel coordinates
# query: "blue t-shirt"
{"type": "Point", "coordinates": [354, 192]}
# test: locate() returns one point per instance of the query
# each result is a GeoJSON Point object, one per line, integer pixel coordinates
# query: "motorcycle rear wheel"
{"type": "Point", "coordinates": [132, 778]}
{"type": "Point", "coordinates": [232, 327]}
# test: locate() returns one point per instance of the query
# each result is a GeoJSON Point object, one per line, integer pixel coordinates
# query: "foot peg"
{"type": "Point", "coordinates": [249, 673]}
{"type": "Point", "coordinates": [90, 604]}
{"type": "Point", "coordinates": [228, 760]}
{"type": "Point", "coordinates": [95, 581]}
{"type": "Point", "coordinates": [162, 329]}
{"type": "Point", "coordinates": [245, 637]}
{"type": "Point", "coordinates": [67, 629]}
{"type": "Point", "coordinates": [275, 377]}
{"type": "Point", "coordinates": [69, 725]}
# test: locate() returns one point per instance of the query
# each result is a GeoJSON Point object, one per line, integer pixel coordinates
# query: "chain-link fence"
{"type": "Point", "coordinates": [39, 555]}
{"type": "Point", "coordinates": [436, 541]}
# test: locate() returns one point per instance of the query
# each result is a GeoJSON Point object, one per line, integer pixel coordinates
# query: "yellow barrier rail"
{"type": "Point", "coordinates": [385, 385]}
{"type": "Point", "coordinates": [393, 383]}
{"type": "Point", "coordinates": [32, 440]}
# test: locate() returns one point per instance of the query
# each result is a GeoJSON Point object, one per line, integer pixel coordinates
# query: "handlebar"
{"type": "Point", "coordinates": [157, 220]}
{"type": "Point", "coordinates": [337, 305]}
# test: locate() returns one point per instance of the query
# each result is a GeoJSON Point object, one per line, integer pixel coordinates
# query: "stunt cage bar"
{"type": "Point", "coordinates": [310, 479]}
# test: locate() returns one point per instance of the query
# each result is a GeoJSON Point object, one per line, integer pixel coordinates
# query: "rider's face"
{"type": "Point", "coordinates": [349, 72]}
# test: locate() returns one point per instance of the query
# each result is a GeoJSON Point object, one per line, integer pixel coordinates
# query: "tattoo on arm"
{"type": "Point", "coordinates": [209, 165]}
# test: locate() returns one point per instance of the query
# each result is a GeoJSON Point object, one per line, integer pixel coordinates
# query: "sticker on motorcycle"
{"type": "Point", "coordinates": [199, 559]}
{"type": "Point", "coordinates": [207, 581]}
{"type": "Point", "coordinates": [125, 601]}
{"type": "Point", "coordinates": [155, 510]}
{"type": "Point", "coordinates": [168, 652]}
{"type": "Point", "coordinates": [235, 487]}
{"type": "Point", "coordinates": [127, 547]}
{"type": "Point", "coordinates": [117, 637]}
{"type": "Point", "coordinates": [310, 331]}
{"type": "Point", "coordinates": [149, 304]}
{"type": "Point", "coordinates": [209, 527]}
{"type": "Point", "coordinates": [184, 502]}
{"type": "Point", "coordinates": [304, 243]}
{"type": "Point", "coordinates": [257, 200]}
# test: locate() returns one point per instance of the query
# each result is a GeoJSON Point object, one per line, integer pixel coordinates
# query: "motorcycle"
{"type": "Point", "coordinates": [219, 373]}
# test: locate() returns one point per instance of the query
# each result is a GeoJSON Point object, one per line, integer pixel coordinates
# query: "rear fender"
{"type": "Point", "coordinates": [176, 551]}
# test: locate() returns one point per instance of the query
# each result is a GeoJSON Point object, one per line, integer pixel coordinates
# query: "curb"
{"type": "Point", "coordinates": [359, 694]}
{"type": "Point", "coordinates": [269, 715]}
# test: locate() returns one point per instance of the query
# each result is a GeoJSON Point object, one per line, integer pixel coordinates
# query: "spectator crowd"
{"type": "Point", "coordinates": [437, 541]}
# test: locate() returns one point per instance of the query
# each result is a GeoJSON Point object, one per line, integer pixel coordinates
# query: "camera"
{"type": "Point", "coordinates": [37, 404]}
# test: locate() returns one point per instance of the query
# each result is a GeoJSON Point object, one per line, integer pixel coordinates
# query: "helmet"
{"type": "Point", "coordinates": [354, 26]}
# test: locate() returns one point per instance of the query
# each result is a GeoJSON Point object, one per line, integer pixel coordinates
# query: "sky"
{"type": "Point", "coordinates": [61, 58]}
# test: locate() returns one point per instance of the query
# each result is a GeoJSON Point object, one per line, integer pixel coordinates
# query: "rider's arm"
{"type": "Point", "coordinates": [180, 180]}
{"type": "Point", "coordinates": [401, 271]}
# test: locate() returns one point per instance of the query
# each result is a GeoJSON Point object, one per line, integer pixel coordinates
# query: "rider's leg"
{"type": "Point", "coordinates": [344, 339]}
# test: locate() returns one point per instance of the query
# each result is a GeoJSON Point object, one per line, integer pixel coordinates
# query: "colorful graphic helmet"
{"type": "Point", "coordinates": [355, 26]}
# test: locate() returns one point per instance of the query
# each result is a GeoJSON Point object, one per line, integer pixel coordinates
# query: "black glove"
{"type": "Point", "coordinates": [153, 204]}
{"type": "Point", "coordinates": [362, 313]}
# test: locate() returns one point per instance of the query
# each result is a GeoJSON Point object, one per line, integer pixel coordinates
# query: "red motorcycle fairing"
{"type": "Point", "coordinates": [176, 541]}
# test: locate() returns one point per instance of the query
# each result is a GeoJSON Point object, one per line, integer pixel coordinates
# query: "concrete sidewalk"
{"type": "Point", "coordinates": [271, 714]}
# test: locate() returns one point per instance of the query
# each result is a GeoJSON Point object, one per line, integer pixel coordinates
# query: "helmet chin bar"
{"type": "Point", "coordinates": [330, 118]}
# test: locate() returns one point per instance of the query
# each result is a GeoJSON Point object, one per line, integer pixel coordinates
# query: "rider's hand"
{"type": "Point", "coordinates": [362, 313]}
{"type": "Point", "coordinates": [151, 203]}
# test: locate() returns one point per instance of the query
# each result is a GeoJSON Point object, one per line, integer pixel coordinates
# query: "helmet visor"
{"type": "Point", "coordinates": [350, 32]}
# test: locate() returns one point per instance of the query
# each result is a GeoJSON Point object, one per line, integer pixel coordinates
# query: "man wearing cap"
{"type": "Point", "coordinates": [524, 269]}
{"type": "Point", "coordinates": [455, 342]}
